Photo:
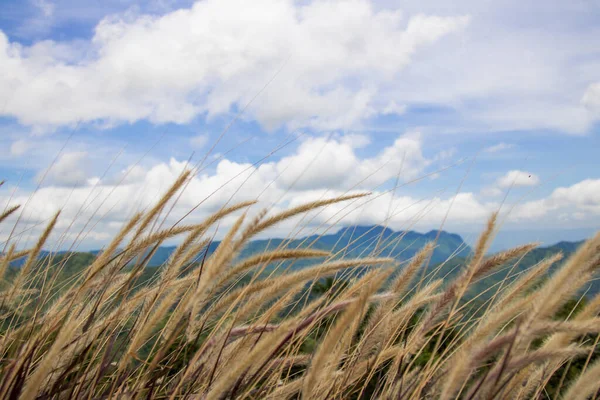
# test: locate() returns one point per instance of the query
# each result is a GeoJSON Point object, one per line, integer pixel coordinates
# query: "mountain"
{"type": "Point", "coordinates": [450, 255]}
{"type": "Point", "coordinates": [353, 241]}
{"type": "Point", "coordinates": [349, 242]}
{"type": "Point", "coordinates": [529, 260]}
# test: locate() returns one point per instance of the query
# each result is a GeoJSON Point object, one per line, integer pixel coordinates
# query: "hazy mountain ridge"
{"type": "Point", "coordinates": [350, 242]}
{"type": "Point", "coordinates": [359, 241]}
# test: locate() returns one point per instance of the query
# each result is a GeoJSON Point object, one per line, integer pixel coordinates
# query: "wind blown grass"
{"type": "Point", "coordinates": [216, 327]}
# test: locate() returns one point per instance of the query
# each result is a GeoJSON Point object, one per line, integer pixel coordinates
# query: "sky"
{"type": "Point", "coordinates": [444, 111]}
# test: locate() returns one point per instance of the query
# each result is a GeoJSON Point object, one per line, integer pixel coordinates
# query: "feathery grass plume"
{"type": "Point", "coordinates": [418, 338]}
{"type": "Point", "coordinates": [559, 340]}
{"type": "Point", "coordinates": [274, 341]}
{"type": "Point", "coordinates": [576, 271]}
{"type": "Point", "coordinates": [140, 337]}
{"type": "Point", "coordinates": [268, 257]}
{"type": "Point", "coordinates": [153, 213]}
{"type": "Point", "coordinates": [242, 338]}
{"type": "Point", "coordinates": [325, 360]}
{"type": "Point", "coordinates": [257, 356]}
{"type": "Point", "coordinates": [585, 385]}
{"type": "Point", "coordinates": [287, 214]}
{"type": "Point", "coordinates": [5, 261]}
{"type": "Point", "coordinates": [400, 283]}
{"type": "Point", "coordinates": [483, 243]}
{"type": "Point", "coordinates": [508, 307]}
{"type": "Point", "coordinates": [280, 283]}
{"type": "Point", "coordinates": [160, 237]}
{"type": "Point", "coordinates": [398, 287]}
{"type": "Point", "coordinates": [263, 258]}
{"type": "Point", "coordinates": [44, 367]}
{"type": "Point", "coordinates": [274, 290]}
{"type": "Point", "coordinates": [586, 314]}
{"type": "Point", "coordinates": [186, 251]}
{"type": "Point", "coordinates": [529, 278]}
{"type": "Point", "coordinates": [8, 212]}
{"type": "Point", "coordinates": [469, 359]}
{"type": "Point", "coordinates": [16, 255]}
{"type": "Point", "coordinates": [496, 260]}
{"type": "Point", "coordinates": [104, 257]}
{"type": "Point", "coordinates": [32, 258]}
{"type": "Point", "coordinates": [118, 330]}
{"type": "Point", "coordinates": [175, 261]}
{"type": "Point", "coordinates": [222, 256]}
{"type": "Point", "coordinates": [490, 381]}
{"type": "Point", "coordinates": [372, 284]}
{"type": "Point", "coordinates": [385, 331]}
{"type": "Point", "coordinates": [591, 309]}
{"type": "Point", "coordinates": [566, 280]}
{"type": "Point", "coordinates": [387, 334]}
{"type": "Point", "coordinates": [455, 290]}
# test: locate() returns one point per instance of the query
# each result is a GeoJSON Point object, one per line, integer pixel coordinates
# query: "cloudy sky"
{"type": "Point", "coordinates": [446, 111]}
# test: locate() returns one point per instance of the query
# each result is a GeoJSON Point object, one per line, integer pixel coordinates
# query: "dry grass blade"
{"type": "Point", "coordinates": [324, 363]}
{"type": "Point", "coordinates": [9, 212]}
{"type": "Point", "coordinates": [267, 223]}
{"type": "Point", "coordinates": [585, 385]}
{"type": "Point", "coordinates": [268, 288]}
{"type": "Point", "coordinates": [32, 257]}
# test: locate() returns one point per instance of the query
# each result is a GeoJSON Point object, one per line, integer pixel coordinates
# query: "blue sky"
{"type": "Point", "coordinates": [474, 105]}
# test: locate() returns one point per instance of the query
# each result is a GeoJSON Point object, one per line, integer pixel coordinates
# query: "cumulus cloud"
{"type": "Point", "coordinates": [531, 80]}
{"type": "Point", "coordinates": [498, 147]}
{"type": "Point", "coordinates": [574, 202]}
{"type": "Point", "coordinates": [512, 179]}
{"type": "Point", "coordinates": [333, 163]}
{"type": "Point", "coordinates": [69, 170]}
{"type": "Point", "coordinates": [318, 168]}
{"type": "Point", "coordinates": [516, 178]}
{"type": "Point", "coordinates": [334, 57]}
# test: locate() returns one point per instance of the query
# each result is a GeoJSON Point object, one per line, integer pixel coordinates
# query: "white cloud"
{"type": "Point", "coordinates": [516, 178]}
{"type": "Point", "coordinates": [335, 58]}
{"type": "Point", "coordinates": [276, 183]}
{"type": "Point", "coordinates": [333, 163]}
{"type": "Point", "coordinates": [579, 200]}
{"type": "Point", "coordinates": [498, 147]}
{"type": "Point", "coordinates": [591, 98]}
{"type": "Point", "coordinates": [514, 68]}
{"type": "Point", "coordinates": [342, 62]}
{"type": "Point", "coordinates": [512, 179]}
{"type": "Point", "coordinates": [69, 170]}
{"type": "Point", "coordinates": [109, 202]}
{"type": "Point", "coordinates": [199, 141]}
{"type": "Point", "coordinates": [356, 140]}
{"type": "Point", "coordinates": [20, 147]}
{"type": "Point", "coordinates": [585, 195]}
{"type": "Point", "coordinates": [393, 108]}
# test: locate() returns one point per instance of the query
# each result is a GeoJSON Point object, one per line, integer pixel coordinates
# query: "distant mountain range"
{"type": "Point", "coordinates": [359, 241]}
{"type": "Point", "coordinates": [353, 241]}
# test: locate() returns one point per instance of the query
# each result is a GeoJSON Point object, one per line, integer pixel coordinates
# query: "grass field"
{"type": "Point", "coordinates": [216, 327]}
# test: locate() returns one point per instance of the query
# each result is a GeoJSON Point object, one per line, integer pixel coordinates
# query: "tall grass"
{"type": "Point", "coordinates": [216, 327]}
